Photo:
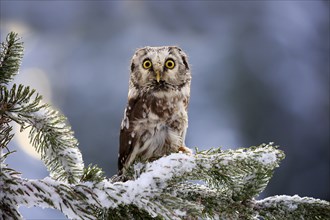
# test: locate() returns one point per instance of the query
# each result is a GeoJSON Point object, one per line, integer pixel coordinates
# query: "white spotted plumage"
{"type": "Point", "coordinates": [155, 119]}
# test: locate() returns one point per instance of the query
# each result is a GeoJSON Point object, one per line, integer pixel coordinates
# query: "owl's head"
{"type": "Point", "coordinates": [160, 68]}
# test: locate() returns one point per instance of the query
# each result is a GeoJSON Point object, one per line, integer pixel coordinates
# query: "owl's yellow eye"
{"type": "Point", "coordinates": [146, 64]}
{"type": "Point", "coordinates": [169, 64]}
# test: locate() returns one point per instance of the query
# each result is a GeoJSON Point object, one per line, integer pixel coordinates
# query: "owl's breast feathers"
{"type": "Point", "coordinates": [154, 125]}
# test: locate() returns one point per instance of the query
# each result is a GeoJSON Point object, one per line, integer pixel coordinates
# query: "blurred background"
{"type": "Point", "coordinates": [260, 74]}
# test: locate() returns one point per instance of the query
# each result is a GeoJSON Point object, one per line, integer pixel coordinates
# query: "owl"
{"type": "Point", "coordinates": [155, 119]}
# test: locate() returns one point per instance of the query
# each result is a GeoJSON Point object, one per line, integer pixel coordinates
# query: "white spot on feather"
{"type": "Point", "coordinates": [153, 117]}
{"type": "Point", "coordinates": [125, 121]}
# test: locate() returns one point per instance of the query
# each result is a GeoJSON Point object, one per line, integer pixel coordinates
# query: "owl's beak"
{"type": "Point", "coordinates": [158, 70]}
{"type": "Point", "coordinates": [158, 76]}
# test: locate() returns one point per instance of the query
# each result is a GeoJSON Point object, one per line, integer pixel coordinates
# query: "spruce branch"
{"type": "Point", "coordinates": [245, 171]}
{"type": "Point", "coordinates": [10, 57]}
{"type": "Point", "coordinates": [16, 103]}
{"type": "Point", "coordinates": [83, 200]}
{"type": "Point", "coordinates": [49, 134]}
{"type": "Point", "coordinates": [9, 211]}
{"type": "Point", "coordinates": [56, 144]}
{"type": "Point", "coordinates": [45, 193]}
{"type": "Point", "coordinates": [293, 207]}
{"type": "Point", "coordinates": [161, 191]}
{"type": "Point", "coordinates": [125, 212]}
{"type": "Point", "coordinates": [220, 169]}
{"type": "Point", "coordinates": [5, 132]}
{"type": "Point", "coordinates": [92, 173]}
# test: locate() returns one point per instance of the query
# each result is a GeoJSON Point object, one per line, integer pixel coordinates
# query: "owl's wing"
{"type": "Point", "coordinates": [128, 139]}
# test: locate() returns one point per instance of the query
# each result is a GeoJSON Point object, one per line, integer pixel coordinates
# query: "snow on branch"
{"type": "Point", "coordinates": [293, 207]}
{"type": "Point", "coordinates": [58, 147]}
{"type": "Point", "coordinates": [245, 171]}
{"type": "Point", "coordinates": [162, 188]}
{"type": "Point", "coordinates": [81, 201]}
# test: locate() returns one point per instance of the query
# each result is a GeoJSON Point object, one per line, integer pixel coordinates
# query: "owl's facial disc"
{"type": "Point", "coordinates": [159, 68]}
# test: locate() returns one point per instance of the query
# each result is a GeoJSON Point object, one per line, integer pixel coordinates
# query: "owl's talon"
{"type": "Point", "coordinates": [185, 150]}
